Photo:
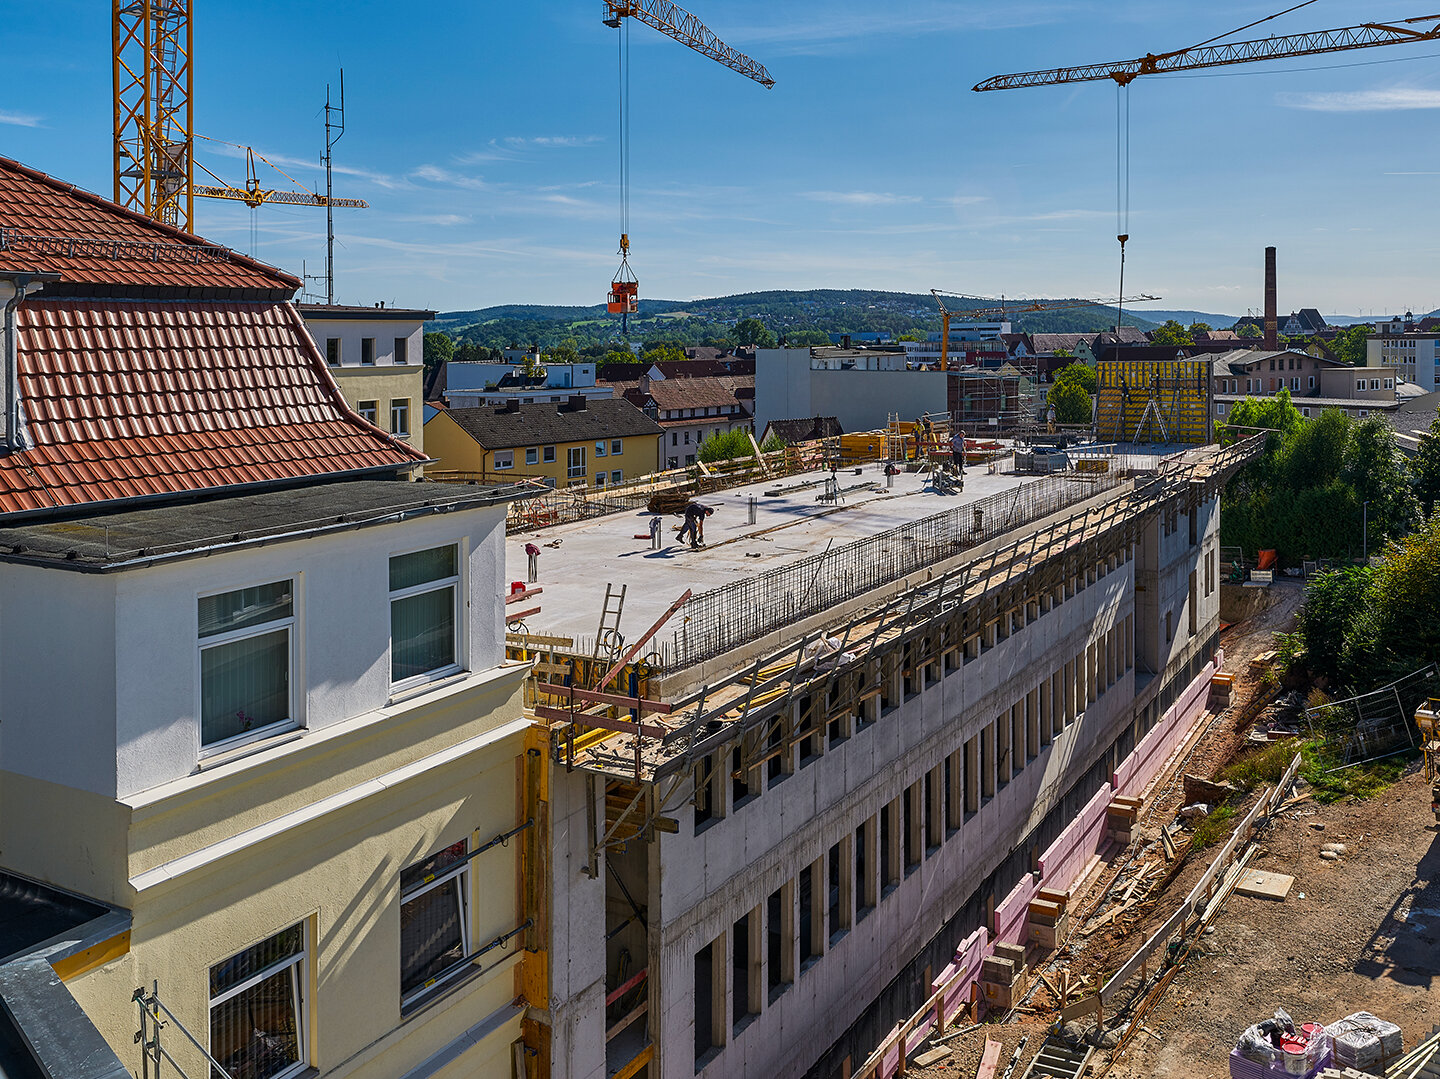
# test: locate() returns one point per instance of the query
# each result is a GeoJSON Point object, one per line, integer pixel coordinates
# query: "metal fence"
{"type": "Point", "coordinates": [714, 622]}
{"type": "Point", "coordinates": [1377, 723]}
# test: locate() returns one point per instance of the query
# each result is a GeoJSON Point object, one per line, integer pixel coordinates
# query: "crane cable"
{"type": "Point", "coordinates": [622, 42]}
{"type": "Point", "coordinates": [1122, 188]}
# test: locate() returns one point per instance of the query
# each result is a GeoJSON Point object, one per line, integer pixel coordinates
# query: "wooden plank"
{"type": "Point", "coordinates": [643, 703]}
{"type": "Point", "coordinates": [625, 987]}
{"type": "Point", "coordinates": [990, 1061]}
{"type": "Point", "coordinates": [621, 1024]}
{"type": "Point", "coordinates": [540, 639]}
{"type": "Point", "coordinates": [629, 1071]}
{"type": "Point", "coordinates": [517, 597]}
{"type": "Point", "coordinates": [1084, 1006]}
{"type": "Point", "coordinates": [620, 726]}
{"type": "Point", "coordinates": [515, 616]}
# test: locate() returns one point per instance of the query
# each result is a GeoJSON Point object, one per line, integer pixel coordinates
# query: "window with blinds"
{"type": "Point", "coordinates": [257, 1009]}
{"type": "Point", "coordinates": [434, 921]}
{"type": "Point", "coordinates": [246, 654]}
{"type": "Point", "coordinates": [424, 600]}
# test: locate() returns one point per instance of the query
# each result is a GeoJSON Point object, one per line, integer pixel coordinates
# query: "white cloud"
{"type": "Point", "coordinates": [284, 161]}
{"type": "Point", "coordinates": [807, 35]}
{"type": "Point", "coordinates": [436, 175]}
{"type": "Point", "coordinates": [19, 119]}
{"type": "Point", "coordinates": [860, 198]}
{"type": "Point", "coordinates": [1396, 99]}
{"type": "Point", "coordinates": [514, 147]}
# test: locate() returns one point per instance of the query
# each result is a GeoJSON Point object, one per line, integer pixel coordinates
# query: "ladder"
{"type": "Point", "coordinates": [1058, 1060]}
{"type": "Point", "coordinates": [894, 439]}
{"type": "Point", "coordinates": [607, 637]}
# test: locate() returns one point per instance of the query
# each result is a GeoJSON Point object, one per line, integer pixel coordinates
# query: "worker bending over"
{"type": "Point", "coordinates": [695, 515]}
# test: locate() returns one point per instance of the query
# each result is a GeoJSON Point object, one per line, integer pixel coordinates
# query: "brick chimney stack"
{"type": "Point", "coordinates": [1272, 341]}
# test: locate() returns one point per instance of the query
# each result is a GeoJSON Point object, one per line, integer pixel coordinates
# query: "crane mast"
{"type": "Point", "coordinates": [154, 145]}
{"type": "Point", "coordinates": [1123, 72]}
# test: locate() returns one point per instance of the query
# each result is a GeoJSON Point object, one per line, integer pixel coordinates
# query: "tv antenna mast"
{"type": "Point", "coordinates": [334, 129]}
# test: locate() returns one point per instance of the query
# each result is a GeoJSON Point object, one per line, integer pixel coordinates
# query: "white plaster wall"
{"type": "Point", "coordinates": [57, 677]}
{"type": "Point", "coordinates": [864, 400]}
{"type": "Point", "coordinates": [343, 618]}
{"type": "Point", "coordinates": [385, 331]}
{"type": "Point", "coordinates": [708, 881]}
{"type": "Point", "coordinates": [782, 385]}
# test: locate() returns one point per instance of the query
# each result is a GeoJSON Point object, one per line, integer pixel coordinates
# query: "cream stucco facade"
{"type": "Point", "coordinates": [107, 790]}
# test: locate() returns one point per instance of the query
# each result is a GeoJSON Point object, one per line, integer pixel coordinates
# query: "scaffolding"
{"type": "Point", "coordinates": [1165, 401]}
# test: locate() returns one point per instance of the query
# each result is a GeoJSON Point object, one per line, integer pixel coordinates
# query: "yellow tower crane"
{"type": "Point", "coordinates": [675, 22]}
{"type": "Point", "coordinates": [154, 148]}
{"type": "Point", "coordinates": [1018, 307]}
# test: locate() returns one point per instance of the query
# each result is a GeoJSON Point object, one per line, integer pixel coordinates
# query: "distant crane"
{"type": "Point", "coordinates": [154, 147]}
{"type": "Point", "coordinates": [675, 22]}
{"type": "Point", "coordinates": [1020, 306]}
{"type": "Point", "coordinates": [1123, 72]}
{"type": "Point", "coordinates": [1210, 54]}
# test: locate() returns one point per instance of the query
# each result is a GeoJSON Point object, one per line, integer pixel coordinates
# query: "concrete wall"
{"type": "Point", "coordinates": [577, 945]}
{"type": "Point", "coordinates": [786, 388]}
{"type": "Point", "coordinates": [707, 881]}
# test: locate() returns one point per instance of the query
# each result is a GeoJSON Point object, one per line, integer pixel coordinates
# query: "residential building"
{"type": "Point", "coordinates": [690, 410]}
{"type": "Point", "coordinates": [579, 443]}
{"type": "Point", "coordinates": [1412, 352]}
{"type": "Point", "coordinates": [1313, 383]}
{"type": "Point", "coordinates": [859, 387]}
{"type": "Point", "coordinates": [470, 384]}
{"type": "Point", "coordinates": [1413, 419]}
{"type": "Point", "coordinates": [262, 778]}
{"type": "Point", "coordinates": [377, 357]}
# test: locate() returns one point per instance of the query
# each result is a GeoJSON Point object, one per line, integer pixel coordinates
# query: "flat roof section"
{"type": "Point", "coordinates": [788, 528]}
{"type": "Point", "coordinates": [141, 536]}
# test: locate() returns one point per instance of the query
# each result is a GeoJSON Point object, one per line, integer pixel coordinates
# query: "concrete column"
{"type": "Point", "coordinates": [846, 848]}
{"type": "Point", "coordinates": [867, 868]}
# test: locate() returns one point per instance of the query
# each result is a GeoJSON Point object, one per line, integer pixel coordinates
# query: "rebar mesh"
{"type": "Point", "coordinates": [714, 622]}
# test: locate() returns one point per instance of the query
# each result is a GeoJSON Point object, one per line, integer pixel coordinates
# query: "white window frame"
{"type": "Point", "coordinates": [300, 988]}
{"type": "Point", "coordinates": [370, 415]}
{"type": "Point", "coordinates": [459, 871]}
{"type": "Point", "coordinates": [616, 476]}
{"type": "Point", "coordinates": [573, 469]}
{"type": "Point", "coordinates": [400, 417]}
{"type": "Point", "coordinates": [456, 581]}
{"type": "Point", "coordinates": [203, 644]}
{"type": "Point", "coordinates": [600, 479]}
{"type": "Point", "coordinates": [600, 448]}
{"type": "Point", "coordinates": [532, 455]}
{"type": "Point", "coordinates": [617, 447]}
{"type": "Point", "coordinates": [549, 455]}
{"type": "Point", "coordinates": [503, 459]}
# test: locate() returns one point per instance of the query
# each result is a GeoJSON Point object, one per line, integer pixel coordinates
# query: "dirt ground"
{"type": "Point", "coordinates": [1361, 933]}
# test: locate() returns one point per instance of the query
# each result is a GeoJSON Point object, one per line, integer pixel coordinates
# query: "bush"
{"type": "Point", "coordinates": [725, 446]}
{"type": "Point", "coordinates": [1260, 766]}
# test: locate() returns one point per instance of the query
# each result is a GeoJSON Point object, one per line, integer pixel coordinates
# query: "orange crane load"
{"type": "Point", "coordinates": [1012, 308]}
{"type": "Point", "coordinates": [1123, 72]}
{"type": "Point", "coordinates": [675, 22]}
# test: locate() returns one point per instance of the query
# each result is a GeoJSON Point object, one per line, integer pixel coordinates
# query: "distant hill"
{"type": "Point", "coordinates": [829, 311]}
{"type": "Point", "coordinates": [1214, 321]}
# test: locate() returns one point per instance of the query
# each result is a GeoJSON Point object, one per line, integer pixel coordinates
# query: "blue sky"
{"type": "Point", "coordinates": [484, 136]}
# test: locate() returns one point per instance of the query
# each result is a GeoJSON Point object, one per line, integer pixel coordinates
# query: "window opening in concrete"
{"type": "Point", "coordinates": [837, 891]}
{"type": "Point", "coordinates": [889, 847]}
{"type": "Point", "coordinates": [934, 809]}
{"type": "Point", "coordinates": [912, 824]}
{"type": "Point", "coordinates": [780, 935]}
{"type": "Point", "coordinates": [1194, 606]}
{"type": "Point", "coordinates": [1001, 727]}
{"type": "Point", "coordinates": [809, 725]}
{"type": "Point", "coordinates": [808, 894]}
{"type": "Point", "coordinates": [987, 762]}
{"type": "Point", "coordinates": [865, 877]}
{"type": "Point", "coordinates": [741, 790]}
{"type": "Point", "coordinates": [705, 1004]}
{"type": "Point", "coordinates": [743, 1009]}
{"type": "Point", "coordinates": [706, 809]}
{"type": "Point", "coordinates": [777, 766]}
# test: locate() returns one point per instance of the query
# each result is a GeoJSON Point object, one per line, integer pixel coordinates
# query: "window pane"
{"type": "Point", "coordinates": [255, 1034]}
{"type": "Point", "coordinates": [408, 570]}
{"type": "Point", "coordinates": [433, 866]}
{"type": "Point", "coordinates": [422, 633]}
{"type": "Point", "coordinates": [244, 685]}
{"type": "Point", "coordinates": [245, 608]}
{"type": "Point", "coordinates": [283, 945]}
{"type": "Point", "coordinates": [430, 935]}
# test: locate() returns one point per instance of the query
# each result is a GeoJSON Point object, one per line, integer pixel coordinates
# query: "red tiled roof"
{"type": "Point", "coordinates": [124, 399]}
{"type": "Point", "coordinates": [46, 224]}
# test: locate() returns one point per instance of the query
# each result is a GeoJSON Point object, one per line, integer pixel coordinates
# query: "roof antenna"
{"type": "Point", "coordinates": [336, 126]}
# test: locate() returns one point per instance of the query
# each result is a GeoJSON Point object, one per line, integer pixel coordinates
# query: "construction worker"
{"type": "Point", "coordinates": [695, 515]}
{"type": "Point", "coordinates": [957, 451]}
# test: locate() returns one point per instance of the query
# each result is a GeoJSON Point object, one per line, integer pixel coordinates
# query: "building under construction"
{"type": "Point", "coordinates": [850, 726]}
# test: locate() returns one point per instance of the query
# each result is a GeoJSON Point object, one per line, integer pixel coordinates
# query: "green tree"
{"type": "Point", "coordinates": [1426, 468]}
{"type": "Point", "coordinates": [620, 355]}
{"type": "Point", "coordinates": [1078, 373]}
{"type": "Point", "coordinates": [1249, 331]}
{"type": "Point", "coordinates": [803, 338]}
{"type": "Point", "coordinates": [724, 446]}
{"type": "Point", "coordinates": [662, 352]}
{"type": "Point", "coordinates": [567, 351]}
{"type": "Point", "coordinates": [1171, 334]}
{"type": "Point", "coordinates": [752, 332]}
{"type": "Point", "coordinates": [1348, 346]}
{"type": "Point", "coordinates": [1071, 402]}
{"type": "Point", "coordinates": [1328, 619]}
{"type": "Point", "coordinates": [1271, 413]}
{"type": "Point", "coordinates": [438, 348]}
{"type": "Point", "coordinates": [1375, 468]}
{"type": "Point", "coordinates": [1199, 328]}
